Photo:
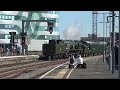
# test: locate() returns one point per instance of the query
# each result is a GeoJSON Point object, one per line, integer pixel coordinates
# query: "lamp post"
{"type": "Point", "coordinates": [106, 36]}
{"type": "Point", "coordinates": [113, 42]}
{"type": "Point", "coordinates": [110, 56]}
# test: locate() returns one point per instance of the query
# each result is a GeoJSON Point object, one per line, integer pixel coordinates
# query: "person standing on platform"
{"type": "Point", "coordinates": [1, 51]}
{"type": "Point", "coordinates": [71, 59]}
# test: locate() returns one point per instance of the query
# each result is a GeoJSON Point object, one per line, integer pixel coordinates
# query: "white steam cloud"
{"type": "Point", "coordinates": [72, 32]}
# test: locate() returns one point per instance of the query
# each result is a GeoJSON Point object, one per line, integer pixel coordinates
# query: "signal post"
{"type": "Point", "coordinates": [51, 24]}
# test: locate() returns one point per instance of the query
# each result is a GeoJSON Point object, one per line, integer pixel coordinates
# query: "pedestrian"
{"type": "Point", "coordinates": [71, 61]}
{"type": "Point", "coordinates": [14, 51]}
{"type": "Point", "coordinates": [80, 62]}
{"type": "Point", "coordinates": [7, 51]}
{"type": "Point", "coordinates": [1, 51]}
{"type": "Point", "coordinates": [18, 50]}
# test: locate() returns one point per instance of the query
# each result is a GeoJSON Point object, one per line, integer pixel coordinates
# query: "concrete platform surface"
{"type": "Point", "coordinates": [96, 69]}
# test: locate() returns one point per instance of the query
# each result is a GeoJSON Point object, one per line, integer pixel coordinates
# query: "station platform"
{"type": "Point", "coordinates": [96, 69]}
{"type": "Point", "coordinates": [21, 57]}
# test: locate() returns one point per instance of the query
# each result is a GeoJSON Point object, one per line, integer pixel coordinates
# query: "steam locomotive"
{"type": "Point", "coordinates": [57, 49]}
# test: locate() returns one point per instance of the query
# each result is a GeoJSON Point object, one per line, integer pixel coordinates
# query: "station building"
{"type": "Point", "coordinates": [37, 32]}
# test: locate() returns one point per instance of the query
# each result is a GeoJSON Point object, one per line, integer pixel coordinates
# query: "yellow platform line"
{"type": "Point", "coordinates": [70, 72]}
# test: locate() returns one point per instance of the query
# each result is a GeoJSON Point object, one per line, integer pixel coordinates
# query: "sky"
{"type": "Point", "coordinates": [80, 22]}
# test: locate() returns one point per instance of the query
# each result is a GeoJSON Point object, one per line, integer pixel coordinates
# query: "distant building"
{"type": "Point", "coordinates": [11, 21]}
{"type": "Point", "coordinates": [98, 39]}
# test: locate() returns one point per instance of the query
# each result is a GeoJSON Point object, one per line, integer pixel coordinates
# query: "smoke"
{"type": "Point", "coordinates": [72, 32]}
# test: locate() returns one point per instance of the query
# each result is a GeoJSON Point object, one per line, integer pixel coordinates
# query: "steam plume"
{"type": "Point", "coordinates": [72, 32]}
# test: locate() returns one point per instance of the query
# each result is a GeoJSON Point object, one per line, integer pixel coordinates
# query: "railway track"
{"type": "Point", "coordinates": [10, 73]}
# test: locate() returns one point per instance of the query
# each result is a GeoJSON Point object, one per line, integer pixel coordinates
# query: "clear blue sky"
{"type": "Point", "coordinates": [84, 18]}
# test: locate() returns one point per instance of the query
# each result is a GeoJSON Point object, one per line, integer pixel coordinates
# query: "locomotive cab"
{"type": "Point", "coordinates": [55, 49]}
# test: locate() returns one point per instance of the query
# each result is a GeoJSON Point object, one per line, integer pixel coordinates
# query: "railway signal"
{"type": "Point", "coordinates": [12, 39]}
{"type": "Point", "coordinates": [23, 40]}
{"type": "Point", "coordinates": [50, 30]}
{"type": "Point", "coordinates": [23, 37]}
{"type": "Point", "coordinates": [51, 25]}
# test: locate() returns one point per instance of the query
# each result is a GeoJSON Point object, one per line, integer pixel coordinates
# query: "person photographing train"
{"type": "Point", "coordinates": [71, 60]}
{"type": "Point", "coordinates": [80, 62]}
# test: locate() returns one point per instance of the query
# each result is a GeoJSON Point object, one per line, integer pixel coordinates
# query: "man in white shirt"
{"type": "Point", "coordinates": [80, 61]}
